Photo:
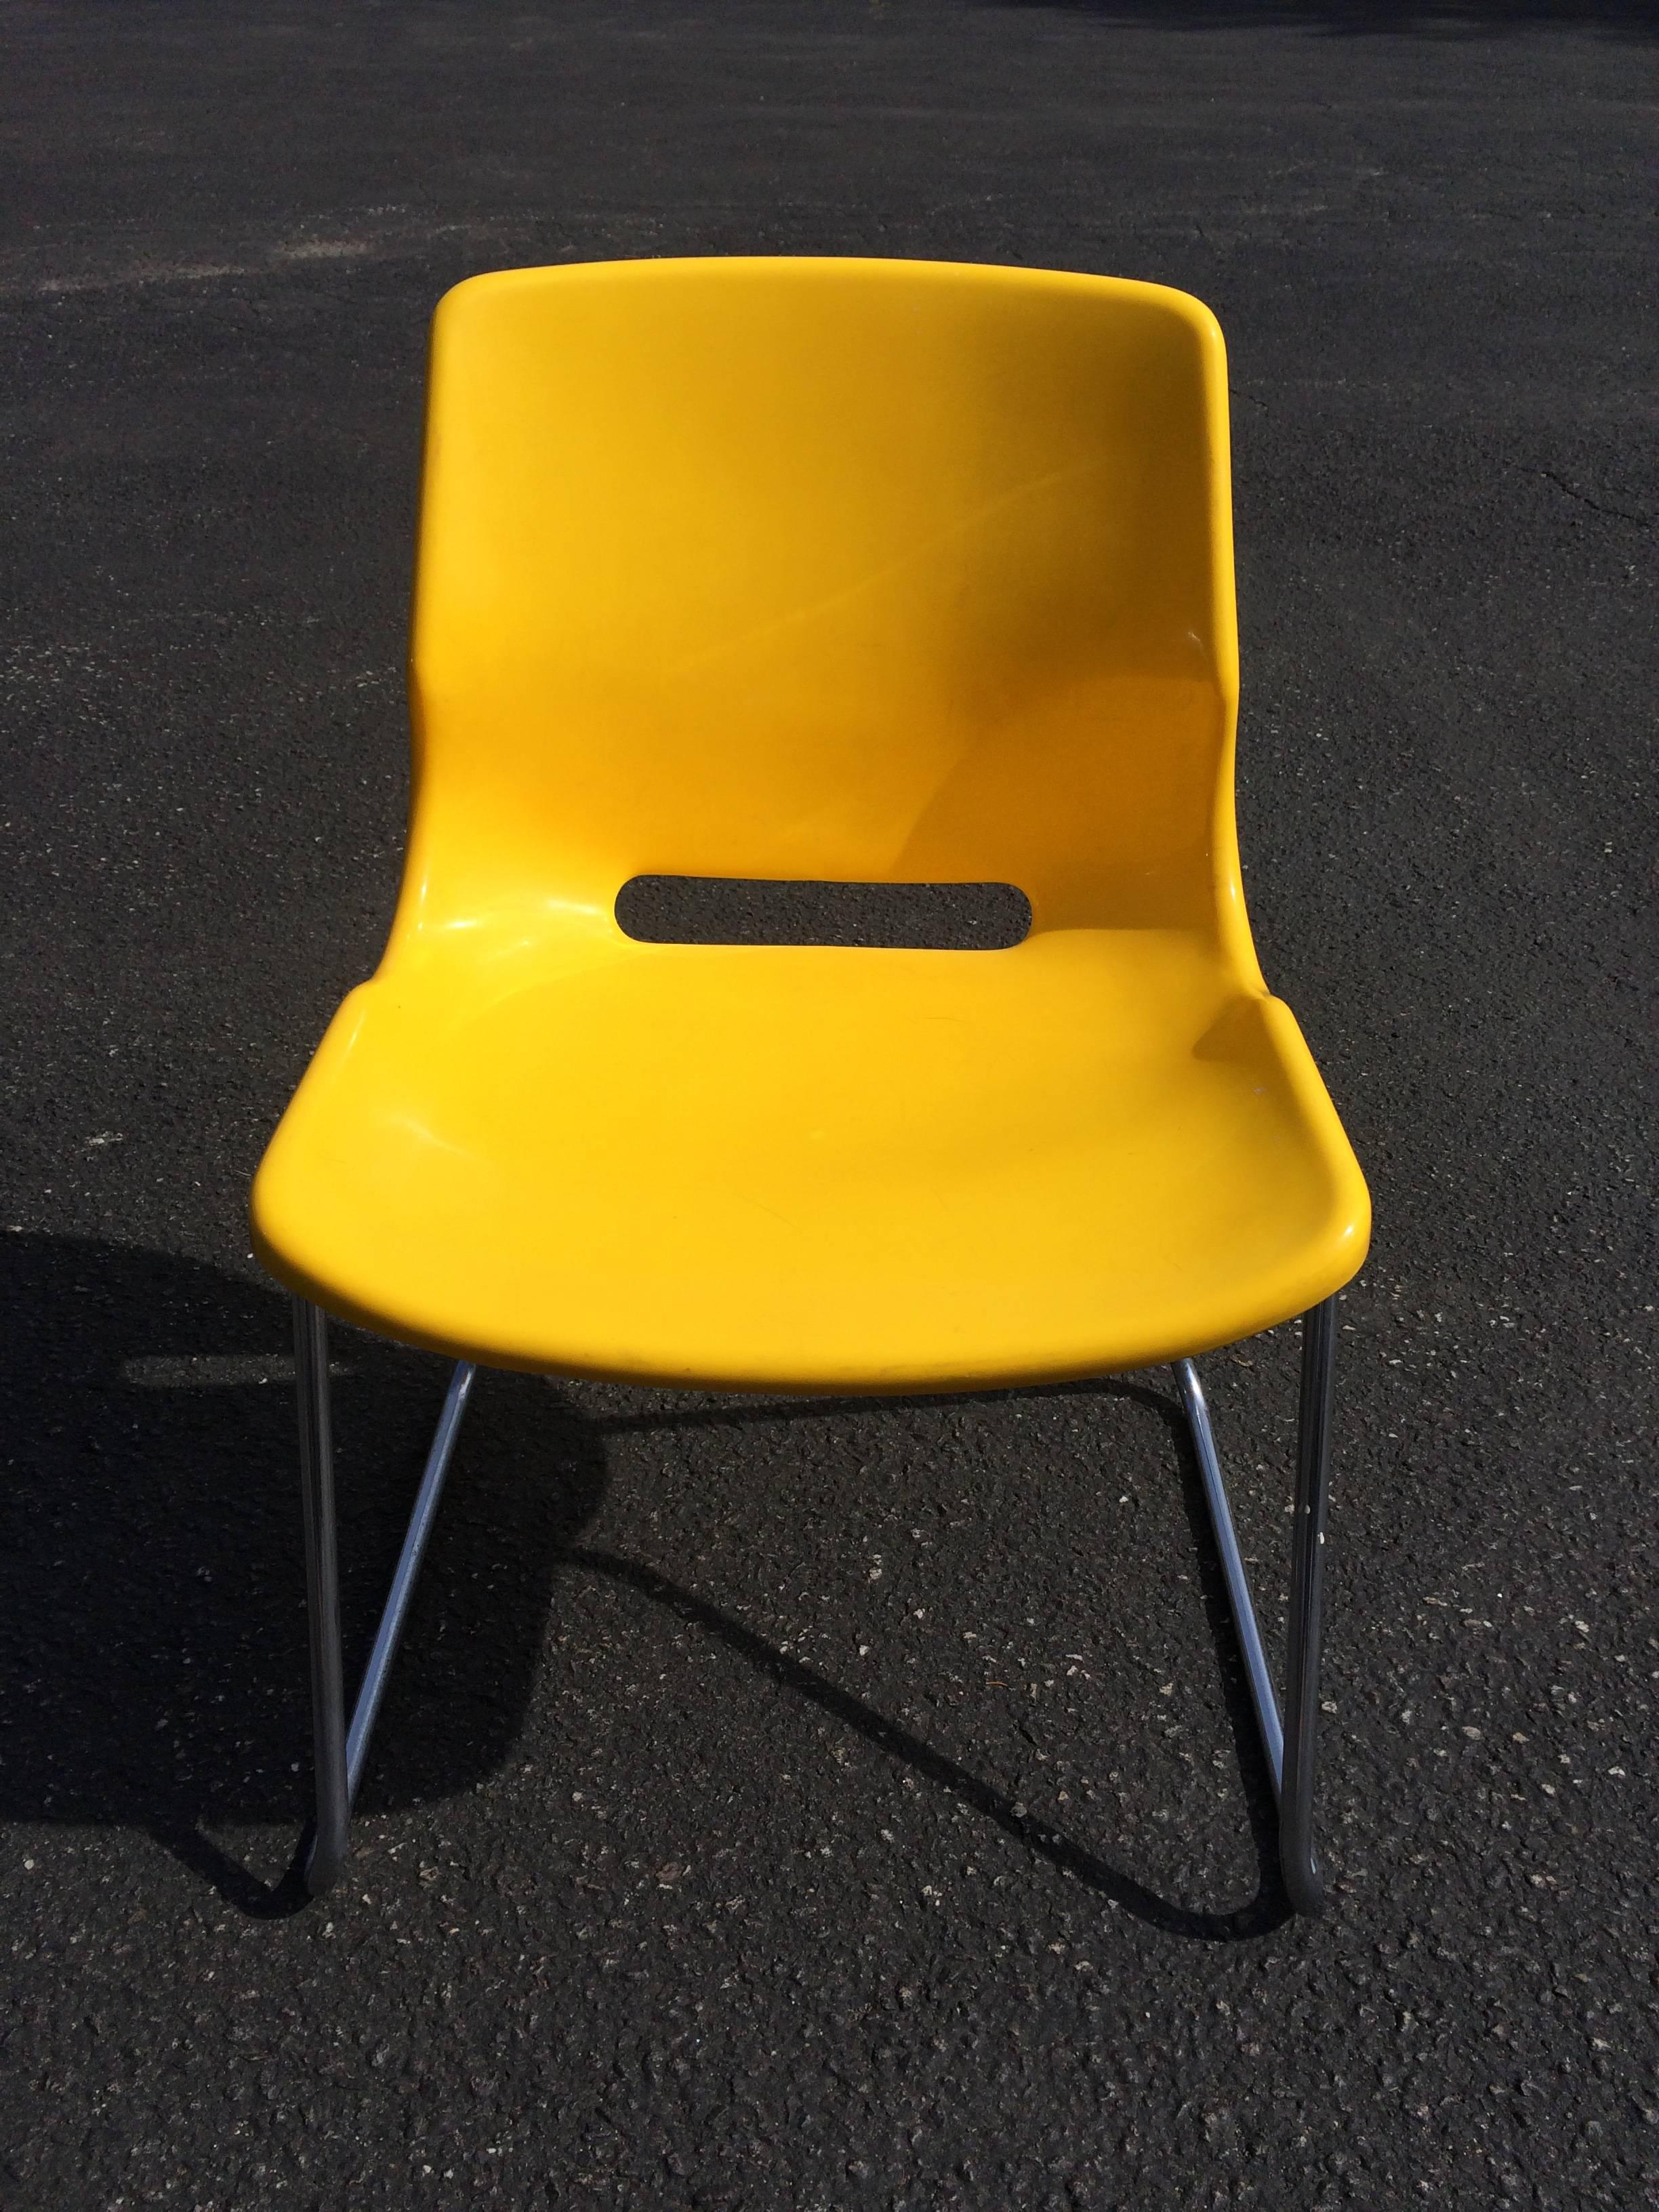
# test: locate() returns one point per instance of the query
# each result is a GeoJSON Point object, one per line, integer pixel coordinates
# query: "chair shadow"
{"type": "Point", "coordinates": [152, 1615]}
{"type": "Point", "coordinates": [151, 1579]}
{"type": "Point", "coordinates": [1270, 1907]}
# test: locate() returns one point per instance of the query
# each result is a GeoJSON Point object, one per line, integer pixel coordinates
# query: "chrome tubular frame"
{"type": "Point", "coordinates": [1289, 1746]}
{"type": "Point", "coordinates": [340, 1750]}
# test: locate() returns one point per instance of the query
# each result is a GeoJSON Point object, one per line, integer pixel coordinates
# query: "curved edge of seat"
{"type": "Point", "coordinates": [942, 1379]}
{"type": "Point", "coordinates": [1323, 1262]}
{"type": "Point", "coordinates": [1077, 1363]}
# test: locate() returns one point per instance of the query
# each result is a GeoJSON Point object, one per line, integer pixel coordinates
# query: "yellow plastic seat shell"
{"type": "Point", "coordinates": [866, 571]}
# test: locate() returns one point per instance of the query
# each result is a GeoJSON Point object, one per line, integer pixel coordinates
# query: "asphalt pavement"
{"type": "Point", "coordinates": [791, 1807]}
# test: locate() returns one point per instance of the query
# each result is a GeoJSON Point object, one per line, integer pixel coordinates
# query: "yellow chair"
{"type": "Point", "coordinates": [857, 571]}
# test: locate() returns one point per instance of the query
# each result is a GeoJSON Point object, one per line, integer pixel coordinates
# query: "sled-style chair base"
{"type": "Point", "coordinates": [340, 1749]}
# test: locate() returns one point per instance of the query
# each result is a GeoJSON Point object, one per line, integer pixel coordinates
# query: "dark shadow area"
{"type": "Point", "coordinates": [1444, 19]}
{"type": "Point", "coordinates": [756, 910]}
{"type": "Point", "coordinates": [152, 1621]}
{"type": "Point", "coordinates": [152, 1618]}
{"type": "Point", "coordinates": [1268, 1908]}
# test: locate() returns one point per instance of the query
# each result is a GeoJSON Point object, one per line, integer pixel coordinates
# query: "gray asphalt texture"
{"type": "Point", "coordinates": [781, 1807]}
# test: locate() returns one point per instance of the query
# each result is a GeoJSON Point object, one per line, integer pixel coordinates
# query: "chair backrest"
{"type": "Point", "coordinates": [866, 570]}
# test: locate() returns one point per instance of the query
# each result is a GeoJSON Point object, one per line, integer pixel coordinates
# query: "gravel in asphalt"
{"type": "Point", "coordinates": [781, 1807]}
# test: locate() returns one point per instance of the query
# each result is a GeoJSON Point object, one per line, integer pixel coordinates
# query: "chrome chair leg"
{"type": "Point", "coordinates": [339, 1752]}
{"type": "Point", "coordinates": [324, 1849]}
{"type": "Point", "coordinates": [1313, 1467]}
{"type": "Point", "coordinates": [1289, 1747]}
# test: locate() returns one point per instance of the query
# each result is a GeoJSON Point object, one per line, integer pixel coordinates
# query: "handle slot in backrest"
{"type": "Point", "coordinates": [746, 911]}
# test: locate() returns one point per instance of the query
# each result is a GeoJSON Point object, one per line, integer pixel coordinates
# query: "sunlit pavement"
{"type": "Point", "coordinates": [787, 1807]}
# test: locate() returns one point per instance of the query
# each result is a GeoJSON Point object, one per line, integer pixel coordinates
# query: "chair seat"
{"type": "Point", "coordinates": [813, 1168]}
